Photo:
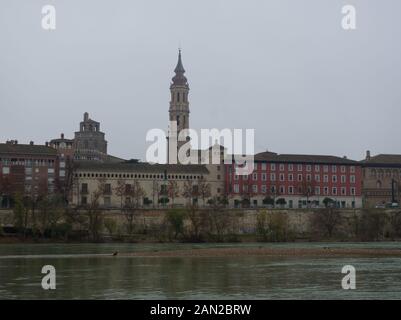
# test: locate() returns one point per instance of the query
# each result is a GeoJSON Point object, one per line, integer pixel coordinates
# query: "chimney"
{"type": "Point", "coordinates": [367, 155]}
{"type": "Point", "coordinates": [47, 144]}
{"type": "Point", "coordinates": [344, 157]}
{"type": "Point", "coordinates": [62, 136]}
{"type": "Point", "coordinates": [31, 143]}
{"type": "Point", "coordinates": [86, 116]}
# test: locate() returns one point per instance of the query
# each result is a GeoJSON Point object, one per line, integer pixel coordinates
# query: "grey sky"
{"type": "Point", "coordinates": [285, 68]}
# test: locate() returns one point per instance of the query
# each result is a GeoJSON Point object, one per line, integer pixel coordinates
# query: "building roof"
{"type": "Point", "coordinates": [26, 149]}
{"type": "Point", "coordinates": [113, 159]}
{"type": "Point", "coordinates": [179, 78]}
{"type": "Point", "coordinates": [383, 160]}
{"type": "Point", "coordinates": [302, 158]}
{"type": "Point", "coordinates": [62, 140]}
{"type": "Point", "coordinates": [129, 166]}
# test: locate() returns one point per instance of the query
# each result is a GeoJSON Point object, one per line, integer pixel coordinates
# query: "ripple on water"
{"type": "Point", "coordinates": [83, 271]}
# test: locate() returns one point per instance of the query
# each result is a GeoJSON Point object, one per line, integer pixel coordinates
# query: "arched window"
{"type": "Point", "coordinates": [378, 184]}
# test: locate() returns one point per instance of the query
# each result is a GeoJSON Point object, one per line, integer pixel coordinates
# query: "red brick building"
{"type": "Point", "coordinates": [296, 181]}
{"type": "Point", "coordinates": [30, 170]}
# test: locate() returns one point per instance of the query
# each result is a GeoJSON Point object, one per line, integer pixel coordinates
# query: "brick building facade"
{"type": "Point", "coordinates": [299, 181]}
{"type": "Point", "coordinates": [29, 170]}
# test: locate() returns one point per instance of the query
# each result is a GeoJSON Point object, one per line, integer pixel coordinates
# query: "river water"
{"type": "Point", "coordinates": [86, 271]}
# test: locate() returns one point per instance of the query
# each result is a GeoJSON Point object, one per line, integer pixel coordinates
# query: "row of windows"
{"type": "Point", "coordinates": [301, 203]}
{"type": "Point", "coordinates": [107, 189]}
{"type": "Point", "coordinates": [290, 177]}
{"type": "Point", "coordinates": [292, 190]}
{"type": "Point", "coordinates": [381, 173]}
{"type": "Point", "coordinates": [301, 167]}
{"type": "Point", "coordinates": [28, 170]}
{"type": "Point", "coordinates": [27, 162]}
{"type": "Point", "coordinates": [137, 176]}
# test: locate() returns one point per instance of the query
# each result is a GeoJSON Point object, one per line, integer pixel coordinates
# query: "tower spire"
{"type": "Point", "coordinates": [179, 104]}
{"type": "Point", "coordinates": [179, 68]}
{"type": "Point", "coordinates": [179, 78]}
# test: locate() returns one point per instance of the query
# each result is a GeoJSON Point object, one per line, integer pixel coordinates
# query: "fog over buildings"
{"type": "Point", "coordinates": [285, 68]}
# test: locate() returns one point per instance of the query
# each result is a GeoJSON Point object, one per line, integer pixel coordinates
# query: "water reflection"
{"type": "Point", "coordinates": [106, 277]}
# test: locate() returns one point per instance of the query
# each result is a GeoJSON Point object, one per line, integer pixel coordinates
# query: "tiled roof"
{"type": "Point", "coordinates": [302, 158]}
{"type": "Point", "coordinates": [113, 159]}
{"type": "Point", "coordinates": [141, 167]}
{"type": "Point", "coordinates": [26, 149]}
{"type": "Point", "coordinates": [384, 159]}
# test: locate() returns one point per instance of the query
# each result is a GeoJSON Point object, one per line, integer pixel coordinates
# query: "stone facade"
{"type": "Point", "coordinates": [89, 141]}
{"type": "Point", "coordinates": [381, 179]}
{"type": "Point", "coordinates": [181, 184]}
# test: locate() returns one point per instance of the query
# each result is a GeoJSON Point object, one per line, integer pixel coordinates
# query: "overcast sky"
{"type": "Point", "coordinates": [285, 68]}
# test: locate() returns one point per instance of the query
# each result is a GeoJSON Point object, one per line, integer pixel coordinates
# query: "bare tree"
{"type": "Point", "coordinates": [131, 208]}
{"type": "Point", "coordinates": [50, 212]}
{"type": "Point", "coordinates": [196, 219]}
{"type": "Point", "coordinates": [204, 190]}
{"type": "Point", "coordinates": [94, 212]}
{"type": "Point", "coordinates": [219, 217]}
{"type": "Point", "coordinates": [64, 186]}
{"type": "Point", "coordinates": [395, 224]}
{"type": "Point", "coordinates": [307, 189]}
{"type": "Point", "coordinates": [189, 191]}
{"type": "Point", "coordinates": [173, 190]}
{"type": "Point", "coordinates": [326, 220]}
{"type": "Point", "coordinates": [120, 190]}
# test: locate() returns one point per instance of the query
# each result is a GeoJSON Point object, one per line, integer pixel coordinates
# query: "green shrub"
{"type": "Point", "coordinates": [111, 225]}
{"type": "Point", "coordinates": [175, 219]}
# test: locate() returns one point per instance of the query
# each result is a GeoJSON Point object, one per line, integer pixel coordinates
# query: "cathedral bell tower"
{"type": "Point", "coordinates": [179, 106]}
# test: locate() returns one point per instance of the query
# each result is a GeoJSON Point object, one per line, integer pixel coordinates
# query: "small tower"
{"type": "Point", "coordinates": [89, 141]}
{"type": "Point", "coordinates": [179, 104]}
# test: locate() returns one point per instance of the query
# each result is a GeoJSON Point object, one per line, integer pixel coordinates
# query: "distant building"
{"type": "Point", "coordinates": [64, 146]}
{"type": "Point", "coordinates": [179, 104]}
{"type": "Point", "coordinates": [116, 183]}
{"type": "Point", "coordinates": [381, 179]}
{"type": "Point", "coordinates": [27, 169]}
{"type": "Point", "coordinates": [65, 150]}
{"type": "Point", "coordinates": [296, 181]}
{"type": "Point", "coordinates": [89, 141]}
